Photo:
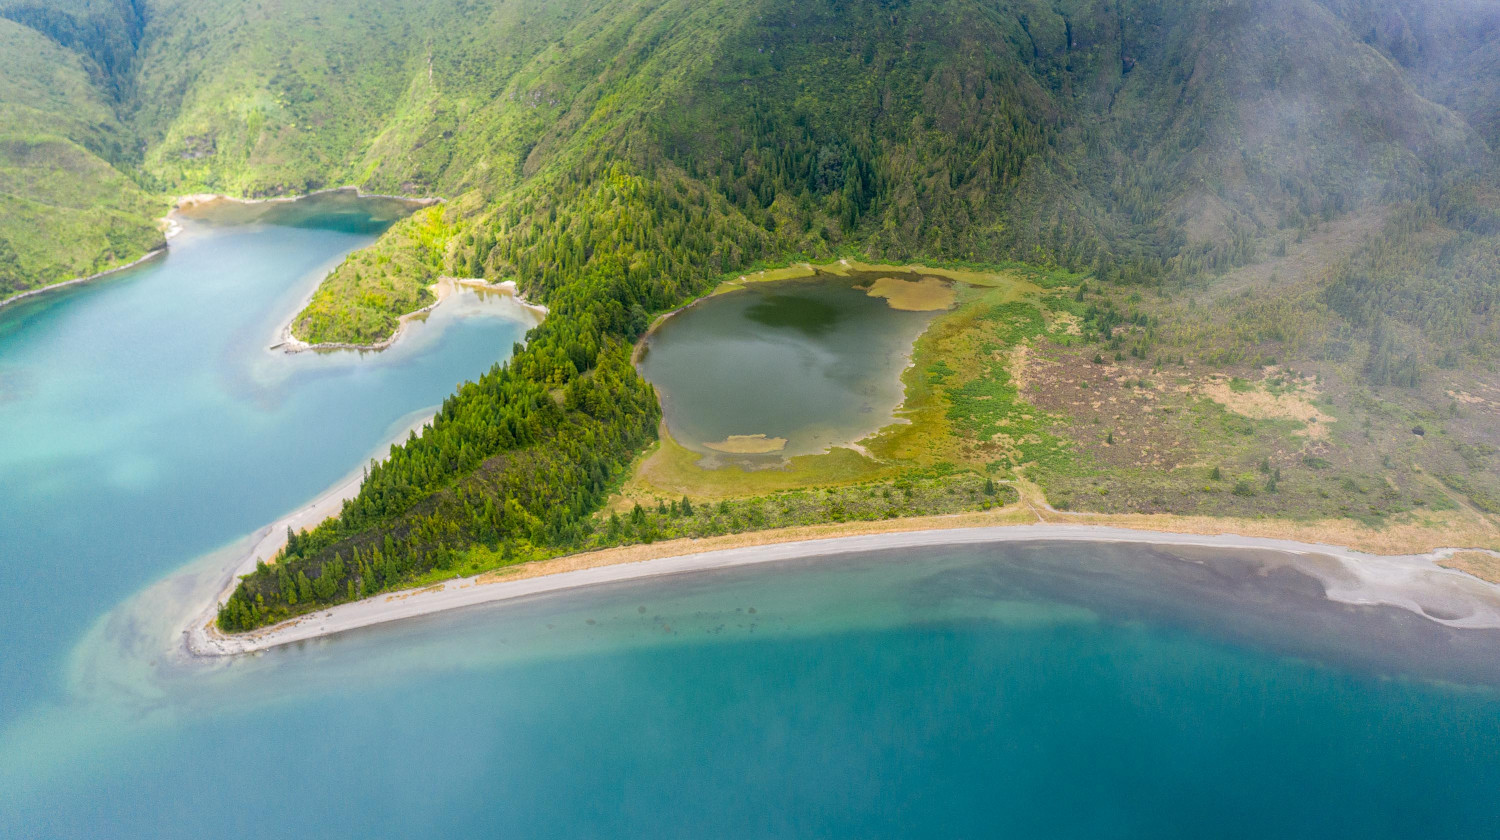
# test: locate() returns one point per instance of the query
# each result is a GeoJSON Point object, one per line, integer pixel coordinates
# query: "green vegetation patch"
{"type": "Point", "coordinates": [68, 211]}
{"type": "Point", "coordinates": [288, 588]}
{"type": "Point", "coordinates": [919, 493]}
{"type": "Point", "coordinates": [507, 462]}
{"type": "Point", "coordinates": [985, 406]}
{"type": "Point", "coordinates": [673, 469]}
{"type": "Point", "coordinates": [362, 301]}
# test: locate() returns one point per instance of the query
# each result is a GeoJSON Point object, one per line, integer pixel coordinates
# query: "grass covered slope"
{"type": "Point", "coordinates": [944, 127]}
{"type": "Point", "coordinates": [68, 211]}
{"type": "Point", "coordinates": [276, 99]}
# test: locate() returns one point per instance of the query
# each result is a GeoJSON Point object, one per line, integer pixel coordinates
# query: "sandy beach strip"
{"type": "Point", "coordinates": [194, 199]}
{"type": "Point", "coordinates": [265, 542]}
{"type": "Point", "coordinates": [1415, 581]}
{"type": "Point", "coordinates": [1412, 582]}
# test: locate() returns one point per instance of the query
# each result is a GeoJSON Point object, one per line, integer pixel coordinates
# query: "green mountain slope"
{"type": "Point", "coordinates": [1173, 131]}
{"type": "Point", "coordinates": [69, 211]}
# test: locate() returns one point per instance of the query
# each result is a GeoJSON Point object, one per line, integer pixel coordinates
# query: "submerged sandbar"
{"type": "Point", "coordinates": [1412, 583]}
{"type": "Point", "coordinates": [748, 444]}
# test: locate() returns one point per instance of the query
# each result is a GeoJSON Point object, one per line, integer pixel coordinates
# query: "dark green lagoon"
{"type": "Point", "coordinates": [814, 361]}
{"type": "Point", "coordinates": [1060, 690]}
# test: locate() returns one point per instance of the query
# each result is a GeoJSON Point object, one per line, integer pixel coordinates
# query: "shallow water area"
{"type": "Point", "coordinates": [147, 421]}
{"type": "Point", "coordinates": [1022, 688]}
{"type": "Point", "coordinates": [767, 370]}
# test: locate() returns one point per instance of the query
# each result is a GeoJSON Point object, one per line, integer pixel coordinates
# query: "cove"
{"type": "Point", "coordinates": [146, 421]}
{"type": "Point", "coordinates": [766, 370]}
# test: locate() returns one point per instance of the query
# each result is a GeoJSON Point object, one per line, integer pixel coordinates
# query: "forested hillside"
{"type": "Point", "coordinates": [616, 157]}
{"type": "Point", "coordinates": [1163, 136]}
{"type": "Point", "coordinates": [1153, 139]}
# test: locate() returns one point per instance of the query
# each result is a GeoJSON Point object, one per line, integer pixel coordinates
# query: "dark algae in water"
{"type": "Point", "coordinates": [784, 367]}
{"type": "Point", "coordinates": [806, 314]}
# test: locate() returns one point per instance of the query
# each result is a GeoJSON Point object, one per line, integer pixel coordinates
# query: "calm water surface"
{"type": "Point", "coordinates": [1056, 690]}
{"type": "Point", "coordinates": [1049, 689]}
{"type": "Point", "coordinates": [815, 361]}
{"type": "Point", "coordinates": [146, 422]}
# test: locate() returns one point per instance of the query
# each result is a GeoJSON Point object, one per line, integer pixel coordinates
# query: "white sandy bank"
{"type": "Point", "coordinates": [1415, 583]}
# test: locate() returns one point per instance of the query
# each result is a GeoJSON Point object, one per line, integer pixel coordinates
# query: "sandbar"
{"type": "Point", "coordinates": [1413, 582]}
{"type": "Point", "coordinates": [748, 444]}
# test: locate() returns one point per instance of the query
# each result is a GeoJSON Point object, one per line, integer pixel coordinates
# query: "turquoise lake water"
{"type": "Point", "coordinates": [1028, 690]}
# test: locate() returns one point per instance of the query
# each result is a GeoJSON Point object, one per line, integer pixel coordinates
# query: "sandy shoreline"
{"type": "Point", "coordinates": [441, 290]}
{"type": "Point", "coordinates": [1411, 582]}
{"type": "Point", "coordinates": [288, 342]}
{"type": "Point", "coordinates": [269, 539]}
{"type": "Point", "coordinates": [195, 199]}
